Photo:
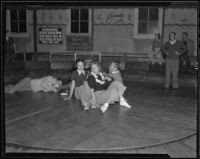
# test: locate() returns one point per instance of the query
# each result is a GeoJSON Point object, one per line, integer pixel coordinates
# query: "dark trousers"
{"type": "Point", "coordinates": [185, 57]}
{"type": "Point", "coordinates": [10, 58]}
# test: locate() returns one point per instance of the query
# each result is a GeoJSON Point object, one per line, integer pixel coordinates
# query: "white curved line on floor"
{"type": "Point", "coordinates": [98, 150]}
{"type": "Point", "coordinates": [27, 115]}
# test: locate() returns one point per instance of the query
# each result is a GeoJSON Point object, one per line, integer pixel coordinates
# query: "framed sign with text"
{"type": "Point", "coordinates": [50, 35]}
{"type": "Point", "coordinates": [78, 43]}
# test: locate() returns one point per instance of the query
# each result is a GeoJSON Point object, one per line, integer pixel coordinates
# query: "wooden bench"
{"type": "Point", "coordinates": [62, 64]}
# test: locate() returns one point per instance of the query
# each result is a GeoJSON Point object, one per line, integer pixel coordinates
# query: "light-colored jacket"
{"type": "Point", "coordinates": [43, 84]}
{"type": "Point", "coordinates": [116, 76]}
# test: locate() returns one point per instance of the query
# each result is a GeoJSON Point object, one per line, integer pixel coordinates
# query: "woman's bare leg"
{"type": "Point", "coordinates": [121, 89]}
{"type": "Point", "coordinates": [113, 94]}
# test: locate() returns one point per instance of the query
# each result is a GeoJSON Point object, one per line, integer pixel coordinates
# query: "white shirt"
{"type": "Point", "coordinates": [44, 83]}
{"type": "Point", "coordinates": [172, 42]}
{"type": "Point", "coordinates": [115, 72]}
{"type": "Point", "coordinates": [79, 72]}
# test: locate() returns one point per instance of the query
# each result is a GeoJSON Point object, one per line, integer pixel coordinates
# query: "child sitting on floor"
{"type": "Point", "coordinates": [45, 84]}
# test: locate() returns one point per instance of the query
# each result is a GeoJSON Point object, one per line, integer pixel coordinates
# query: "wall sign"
{"type": "Point", "coordinates": [114, 16]}
{"type": "Point", "coordinates": [78, 43]}
{"type": "Point", "coordinates": [50, 35]}
{"type": "Point", "coordinates": [181, 16]}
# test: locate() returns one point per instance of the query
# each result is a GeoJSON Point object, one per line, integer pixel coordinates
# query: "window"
{"type": "Point", "coordinates": [148, 22]}
{"type": "Point", "coordinates": [18, 21]}
{"type": "Point", "coordinates": [79, 21]}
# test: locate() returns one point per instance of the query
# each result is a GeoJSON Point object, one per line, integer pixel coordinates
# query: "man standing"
{"type": "Point", "coordinates": [172, 49]}
{"type": "Point", "coordinates": [189, 44]}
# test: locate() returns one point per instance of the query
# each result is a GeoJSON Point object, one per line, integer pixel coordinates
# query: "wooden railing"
{"type": "Point", "coordinates": [48, 56]}
{"type": "Point", "coordinates": [30, 56]}
{"type": "Point", "coordinates": [66, 59]}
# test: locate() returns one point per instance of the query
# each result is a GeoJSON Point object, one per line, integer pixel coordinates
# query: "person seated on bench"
{"type": "Point", "coordinates": [45, 84]}
{"type": "Point", "coordinates": [155, 55]}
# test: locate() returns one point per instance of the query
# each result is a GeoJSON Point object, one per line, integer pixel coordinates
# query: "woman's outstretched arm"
{"type": "Point", "coordinates": [72, 89]}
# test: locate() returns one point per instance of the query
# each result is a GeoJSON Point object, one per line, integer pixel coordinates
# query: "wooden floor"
{"type": "Point", "coordinates": [158, 117]}
{"type": "Point", "coordinates": [183, 148]}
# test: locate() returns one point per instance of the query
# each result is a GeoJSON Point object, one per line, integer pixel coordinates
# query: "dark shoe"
{"type": "Point", "coordinates": [165, 89]}
{"type": "Point", "coordinates": [166, 86]}
{"type": "Point", "coordinates": [175, 89]}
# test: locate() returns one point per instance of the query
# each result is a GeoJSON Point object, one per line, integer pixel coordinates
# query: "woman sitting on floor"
{"type": "Point", "coordinates": [79, 84]}
{"type": "Point", "coordinates": [114, 71]}
{"type": "Point", "coordinates": [45, 84]}
{"type": "Point", "coordinates": [104, 90]}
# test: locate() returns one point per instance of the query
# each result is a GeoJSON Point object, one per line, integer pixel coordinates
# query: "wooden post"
{"type": "Point", "coordinates": [99, 56]}
{"type": "Point", "coordinates": [125, 63]}
{"type": "Point", "coordinates": [163, 24]}
{"type": "Point", "coordinates": [92, 31]}
{"type": "Point", "coordinates": [75, 56]}
{"type": "Point", "coordinates": [35, 33]}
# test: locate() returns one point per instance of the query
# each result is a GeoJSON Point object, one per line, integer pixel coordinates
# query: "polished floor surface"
{"type": "Point", "coordinates": [47, 121]}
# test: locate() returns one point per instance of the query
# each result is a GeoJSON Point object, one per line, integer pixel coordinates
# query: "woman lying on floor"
{"type": "Point", "coordinates": [45, 84]}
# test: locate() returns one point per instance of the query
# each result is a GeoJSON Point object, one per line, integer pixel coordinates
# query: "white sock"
{"type": "Point", "coordinates": [104, 107]}
{"type": "Point", "coordinates": [124, 103]}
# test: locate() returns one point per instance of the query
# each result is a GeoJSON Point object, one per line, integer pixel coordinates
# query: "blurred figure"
{"type": "Point", "coordinates": [173, 49]}
{"type": "Point", "coordinates": [10, 49]}
{"type": "Point", "coordinates": [189, 44]}
{"type": "Point", "coordinates": [45, 84]}
{"type": "Point", "coordinates": [156, 55]}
